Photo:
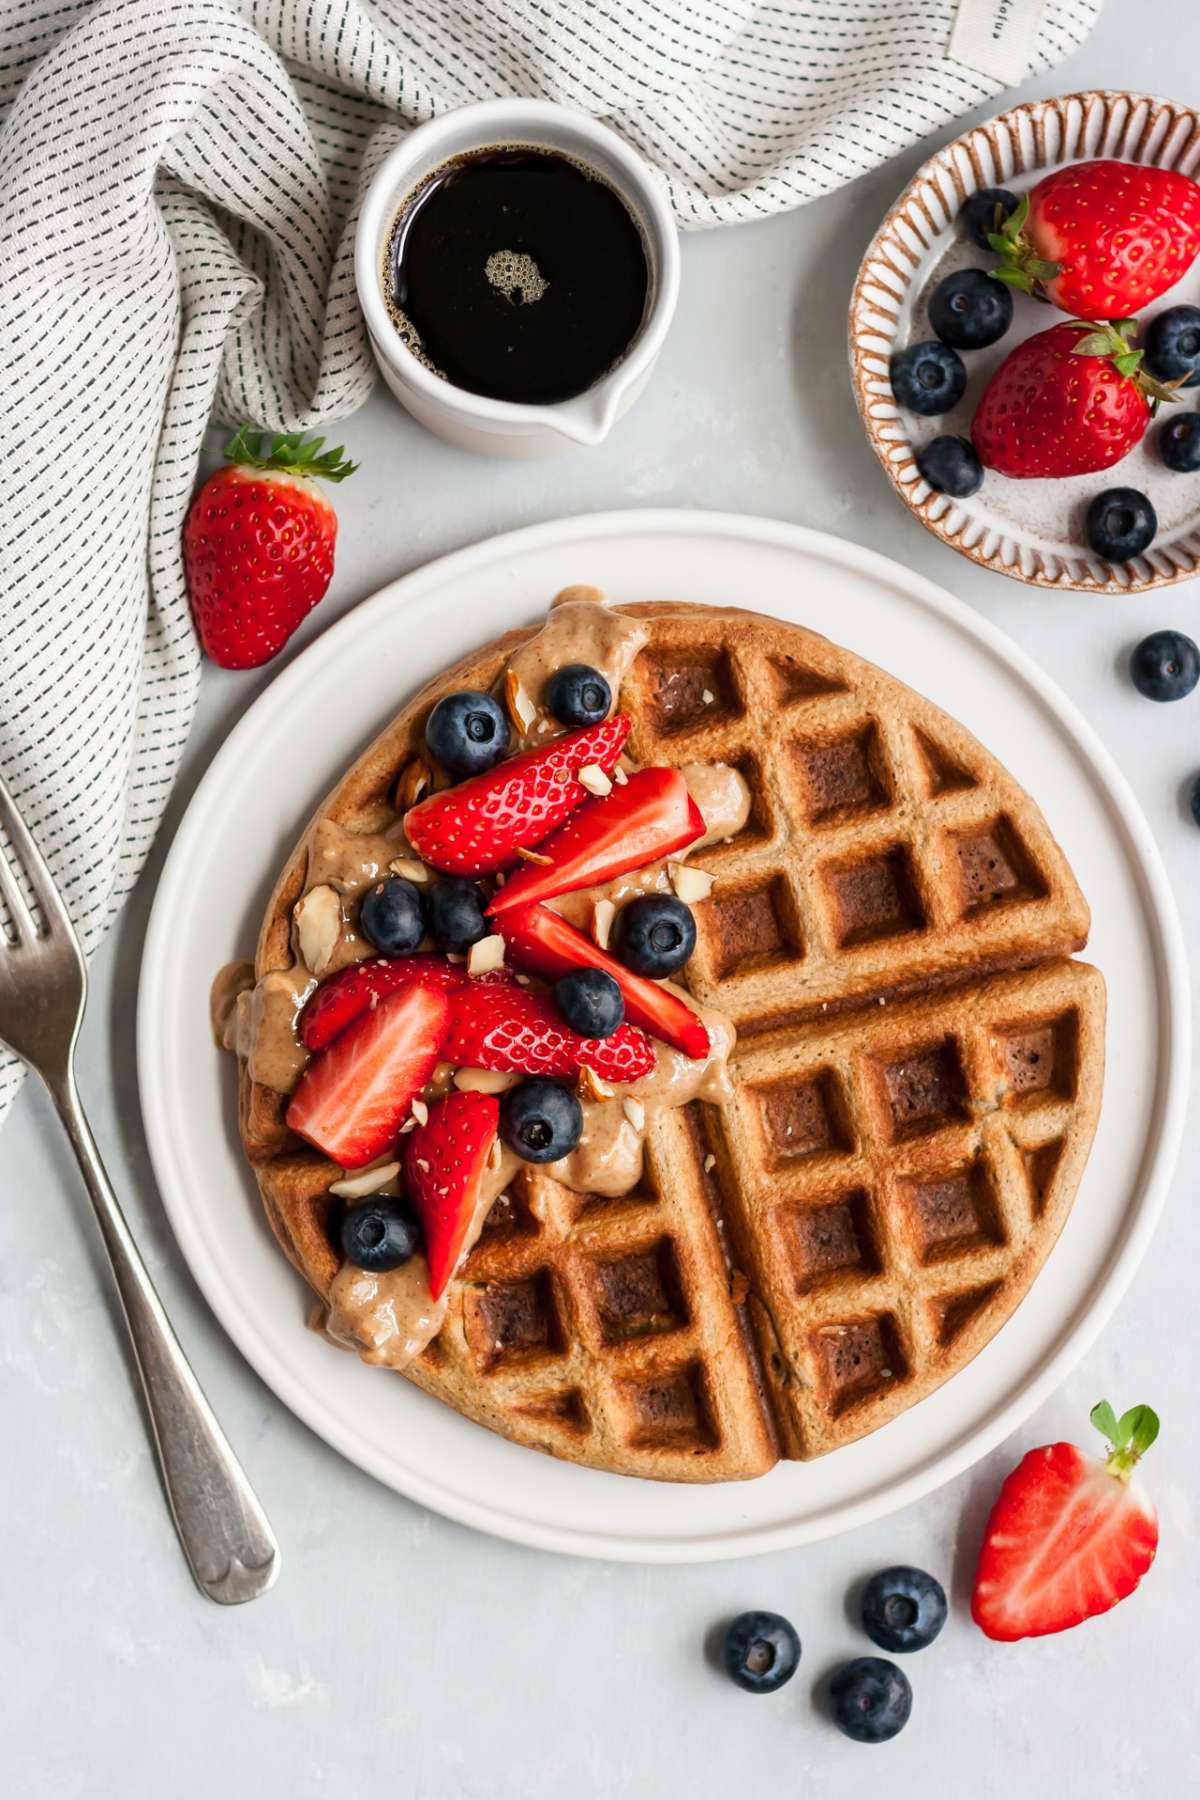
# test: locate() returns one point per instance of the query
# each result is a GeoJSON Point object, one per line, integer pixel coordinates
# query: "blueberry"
{"type": "Point", "coordinates": [985, 212]}
{"type": "Point", "coordinates": [1120, 523]}
{"type": "Point", "coordinates": [590, 1001]}
{"type": "Point", "coordinates": [578, 695]}
{"type": "Point", "coordinates": [380, 1233]}
{"type": "Point", "coordinates": [540, 1120]}
{"type": "Point", "coordinates": [970, 310]}
{"type": "Point", "coordinates": [950, 465]}
{"type": "Point", "coordinates": [467, 732]}
{"type": "Point", "coordinates": [1178, 442]}
{"type": "Point", "coordinates": [1165, 666]}
{"type": "Point", "coordinates": [928, 378]}
{"type": "Point", "coordinates": [1172, 345]}
{"type": "Point", "coordinates": [760, 1651]}
{"type": "Point", "coordinates": [871, 1699]}
{"type": "Point", "coordinates": [391, 916]}
{"type": "Point", "coordinates": [456, 918]}
{"type": "Point", "coordinates": [903, 1609]}
{"type": "Point", "coordinates": [654, 934]}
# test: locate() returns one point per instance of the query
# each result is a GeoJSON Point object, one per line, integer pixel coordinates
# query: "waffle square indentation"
{"type": "Point", "coordinates": [857, 1359]}
{"type": "Point", "coordinates": [689, 689]}
{"type": "Point", "coordinates": [874, 898]}
{"type": "Point", "coordinates": [1041, 1166]}
{"type": "Point", "coordinates": [561, 1409]}
{"type": "Point", "coordinates": [993, 867]}
{"type": "Point", "coordinates": [825, 1238]}
{"type": "Point", "coordinates": [952, 1313]}
{"type": "Point", "coordinates": [941, 771]}
{"type": "Point", "coordinates": [953, 1213]}
{"type": "Point", "coordinates": [924, 1090]}
{"type": "Point", "coordinates": [750, 926]}
{"type": "Point", "coordinates": [638, 1294]}
{"type": "Point", "coordinates": [805, 1116]}
{"type": "Point", "coordinates": [511, 1321]}
{"type": "Point", "coordinates": [840, 777]}
{"type": "Point", "coordinates": [1038, 1059]}
{"type": "Point", "coordinates": [672, 1411]}
{"type": "Point", "coordinates": [793, 681]}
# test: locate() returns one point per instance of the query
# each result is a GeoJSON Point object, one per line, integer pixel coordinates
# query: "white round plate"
{"type": "Point", "coordinates": [306, 729]}
{"type": "Point", "coordinates": [1031, 530]}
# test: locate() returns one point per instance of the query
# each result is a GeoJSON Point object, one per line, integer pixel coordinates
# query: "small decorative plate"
{"type": "Point", "coordinates": [1031, 530]}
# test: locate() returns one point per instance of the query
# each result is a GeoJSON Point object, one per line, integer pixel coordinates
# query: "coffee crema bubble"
{"type": "Point", "coordinates": [517, 273]}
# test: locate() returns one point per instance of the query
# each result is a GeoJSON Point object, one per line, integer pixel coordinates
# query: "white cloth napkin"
{"type": "Point", "coordinates": [179, 181]}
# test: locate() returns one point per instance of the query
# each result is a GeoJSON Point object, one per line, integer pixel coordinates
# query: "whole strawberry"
{"type": "Point", "coordinates": [258, 545]}
{"type": "Point", "coordinates": [1065, 402]}
{"type": "Point", "coordinates": [1101, 238]}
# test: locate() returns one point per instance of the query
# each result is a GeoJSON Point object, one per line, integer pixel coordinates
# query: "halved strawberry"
{"type": "Point", "coordinates": [444, 1163]}
{"type": "Point", "coordinates": [478, 826]}
{"type": "Point", "coordinates": [339, 1001]}
{"type": "Point", "coordinates": [352, 1099]}
{"type": "Point", "coordinates": [499, 1025]}
{"type": "Point", "coordinates": [545, 944]}
{"type": "Point", "coordinates": [647, 818]}
{"type": "Point", "coordinates": [1069, 1535]}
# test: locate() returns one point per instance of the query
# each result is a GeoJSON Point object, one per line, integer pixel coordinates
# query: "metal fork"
{"type": "Point", "coordinates": [229, 1545]}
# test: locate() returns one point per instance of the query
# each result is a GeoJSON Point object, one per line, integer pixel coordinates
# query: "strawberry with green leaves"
{"type": "Point", "coordinates": [1069, 1535]}
{"type": "Point", "coordinates": [258, 544]}
{"type": "Point", "coordinates": [1101, 238]}
{"type": "Point", "coordinates": [1068, 401]}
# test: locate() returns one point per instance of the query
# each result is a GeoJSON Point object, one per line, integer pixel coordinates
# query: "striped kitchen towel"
{"type": "Point", "coordinates": [178, 188]}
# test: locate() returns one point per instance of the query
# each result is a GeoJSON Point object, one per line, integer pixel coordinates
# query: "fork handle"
{"type": "Point", "coordinates": [229, 1545]}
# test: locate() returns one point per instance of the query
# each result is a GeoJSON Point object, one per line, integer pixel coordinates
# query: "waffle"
{"type": "Point", "coordinates": [916, 1085]}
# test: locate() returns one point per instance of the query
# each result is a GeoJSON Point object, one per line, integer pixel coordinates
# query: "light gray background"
{"type": "Point", "coordinates": [403, 1655]}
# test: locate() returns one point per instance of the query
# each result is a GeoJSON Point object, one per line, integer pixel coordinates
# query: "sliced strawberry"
{"type": "Point", "coordinates": [478, 826]}
{"type": "Point", "coordinates": [499, 1025]}
{"type": "Point", "coordinates": [546, 945]}
{"type": "Point", "coordinates": [444, 1163]}
{"type": "Point", "coordinates": [1069, 1535]}
{"type": "Point", "coordinates": [647, 818]}
{"type": "Point", "coordinates": [338, 1001]}
{"type": "Point", "coordinates": [352, 1099]}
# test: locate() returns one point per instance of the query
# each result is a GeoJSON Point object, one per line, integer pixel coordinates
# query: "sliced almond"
{"type": "Point", "coordinates": [410, 868]}
{"type": "Point", "coordinates": [708, 696]}
{"type": "Point", "coordinates": [486, 955]}
{"type": "Point", "coordinates": [635, 1112]}
{"type": "Point", "coordinates": [534, 856]}
{"type": "Point", "coordinates": [353, 1187]}
{"type": "Point", "coordinates": [495, 1154]}
{"type": "Point", "coordinates": [619, 776]}
{"type": "Point", "coordinates": [420, 1112]}
{"type": "Point", "coordinates": [593, 778]}
{"type": "Point", "coordinates": [485, 1081]}
{"type": "Point", "coordinates": [318, 916]}
{"type": "Point", "coordinates": [593, 1086]}
{"type": "Point", "coordinates": [518, 702]}
{"type": "Point", "coordinates": [710, 1163]}
{"type": "Point", "coordinates": [690, 884]}
{"type": "Point", "coordinates": [414, 781]}
{"type": "Point", "coordinates": [603, 914]}
{"type": "Point", "coordinates": [410, 1124]}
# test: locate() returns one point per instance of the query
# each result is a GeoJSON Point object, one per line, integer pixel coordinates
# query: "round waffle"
{"type": "Point", "coordinates": [916, 1082]}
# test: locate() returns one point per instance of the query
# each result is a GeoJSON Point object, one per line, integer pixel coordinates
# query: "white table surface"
{"type": "Point", "coordinates": [404, 1655]}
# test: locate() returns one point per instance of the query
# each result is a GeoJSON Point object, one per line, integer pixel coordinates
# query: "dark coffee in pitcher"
{"type": "Point", "coordinates": [517, 273]}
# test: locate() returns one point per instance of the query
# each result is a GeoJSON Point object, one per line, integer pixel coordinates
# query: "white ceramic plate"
{"type": "Point", "coordinates": [1031, 530]}
{"type": "Point", "coordinates": [306, 729]}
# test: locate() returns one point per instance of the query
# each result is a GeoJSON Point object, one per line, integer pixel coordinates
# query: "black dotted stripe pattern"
{"type": "Point", "coordinates": [179, 181]}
